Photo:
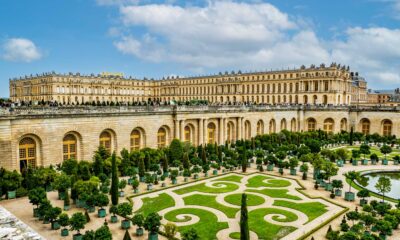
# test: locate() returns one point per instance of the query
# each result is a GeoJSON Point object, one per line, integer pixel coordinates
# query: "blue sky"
{"type": "Point", "coordinates": [146, 38]}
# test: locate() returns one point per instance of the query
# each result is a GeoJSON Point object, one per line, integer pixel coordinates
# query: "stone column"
{"type": "Point", "coordinates": [221, 131]}
{"type": "Point", "coordinates": [182, 126]}
{"type": "Point", "coordinates": [205, 131]}
{"type": "Point", "coordinates": [201, 132]}
{"type": "Point", "coordinates": [176, 125]}
{"type": "Point", "coordinates": [239, 129]}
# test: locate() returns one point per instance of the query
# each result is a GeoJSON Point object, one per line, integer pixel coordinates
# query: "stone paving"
{"type": "Point", "coordinates": [11, 228]}
{"type": "Point", "coordinates": [301, 224]}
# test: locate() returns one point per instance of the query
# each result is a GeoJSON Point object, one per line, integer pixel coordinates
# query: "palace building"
{"type": "Point", "coordinates": [296, 100]}
{"type": "Point", "coordinates": [334, 85]}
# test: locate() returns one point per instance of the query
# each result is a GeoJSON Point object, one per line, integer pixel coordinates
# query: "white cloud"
{"type": "Point", "coordinates": [117, 2]}
{"type": "Point", "coordinates": [232, 35]}
{"type": "Point", "coordinates": [20, 50]}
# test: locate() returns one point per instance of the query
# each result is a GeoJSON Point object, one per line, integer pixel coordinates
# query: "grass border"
{"type": "Point", "coordinates": [300, 189]}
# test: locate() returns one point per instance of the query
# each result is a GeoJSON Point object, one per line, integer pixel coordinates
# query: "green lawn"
{"type": "Point", "coordinates": [207, 227]}
{"type": "Point", "coordinates": [257, 181]}
{"type": "Point", "coordinates": [269, 231]}
{"type": "Point", "coordinates": [252, 200]}
{"type": "Point", "coordinates": [235, 235]}
{"type": "Point", "coordinates": [311, 209]}
{"type": "Point", "coordinates": [156, 204]}
{"type": "Point", "coordinates": [228, 187]}
{"type": "Point", "coordinates": [209, 201]}
{"type": "Point", "coordinates": [275, 193]}
{"type": "Point", "coordinates": [376, 151]}
{"type": "Point", "coordinates": [232, 178]}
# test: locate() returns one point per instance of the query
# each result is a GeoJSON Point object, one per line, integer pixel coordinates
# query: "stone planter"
{"type": "Point", "coordinates": [364, 162]}
{"type": "Point", "coordinates": [114, 219]}
{"type": "Point", "coordinates": [355, 162]}
{"type": "Point", "coordinates": [373, 162]}
{"type": "Point", "coordinates": [64, 232]}
{"type": "Point", "coordinates": [328, 187]}
{"type": "Point", "coordinates": [80, 203]}
{"type": "Point", "coordinates": [281, 170]}
{"type": "Point", "coordinates": [174, 181]}
{"type": "Point", "coordinates": [186, 179]}
{"type": "Point", "coordinates": [293, 172]}
{"type": "Point", "coordinates": [101, 213]}
{"type": "Point", "coordinates": [166, 174]}
{"type": "Point", "coordinates": [385, 162]}
{"type": "Point", "coordinates": [35, 212]}
{"type": "Point", "coordinates": [121, 194]}
{"type": "Point", "coordinates": [363, 202]}
{"type": "Point", "coordinates": [55, 225]}
{"type": "Point", "coordinates": [11, 194]}
{"type": "Point", "coordinates": [338, 192]}
{"type": "Point", "coordinates": [206, 174]}
{"type": "Point", "coordinates": [163, 184]}
{"type": "Point", "coordinates": [136, 190]}
{"type": "Point", "coordinates": [125, 224]}
{"type": "Point", "coordinates": [130, 180]}
{"type": "Point", "coordinates": [349, 196]}
{"type": "Point", "coordinates": [66, 208]}
{"type": "Point", "coordinates": [149, 187]}
{"type": "Point", "coordinates": [139, 231]}
{"type": "Point", "coordinates": [215, 172]}
{"type": "Point", "coordinates": [270, 167]}
{"type": "Point", "coordinates": [61, 195]}
{"type": "Point", "coordinates": [339, 163]}
{"type": "Point", "coordinates": [395, 162]}
{"type": "Point", "coordinates": [141, 179]}
{"type": "Point", "coordinates": [153, 236]}
{"type": "Point", "coordinates": [196, 176]}
{"type": "Point", "coordinates": [77, 237]}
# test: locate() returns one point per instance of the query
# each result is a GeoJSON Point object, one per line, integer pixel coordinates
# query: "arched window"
{"type": "Point", "coordinates": [305, 99]}
{"type": "Point", "coordinates": [283, 124]}
{"type": "Point", "coordinates": [365, 126]}
{"type": "Point", "coordinates": [230, 134]}
{"type": "Point", "coordinates": [272, 126]}
{"type": "Point", "coordinates": [293, 125]}
{"type": "Point", "coordinates": [187, 134]}
{"type": "Point", "coordinates": [69, 147]}
{"type": "Point", "coordinates": [27, 153]}
{"type": "Point", "coordinates": [387, 128]}
{"type": "Point", "coordinates": [247, 130]}
{"type": "Point", "coordinates": [343, 124]}
{"type": "Point", "coordinates": [136, 139]}
{"type": "Point", "coordinates": [328, 125]}
{"type": "Point", "coordinates": [260, 127]}
{"type": "Point", "coordinates": [161, 138]}
{"type": "Point", "coordinates": [211, 130]}
{"type": "Point", "coordinates": [105, 140]}
{"type": "Point", "coordinates": [325, 99]}
{"type": "Point", "coordinates": [311, 124]}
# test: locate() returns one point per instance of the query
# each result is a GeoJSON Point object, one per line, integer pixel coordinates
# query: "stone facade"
{"type": "Point", "coordinates": [54, 132]}
{"type": "Point", "coordinates": [333, 85]}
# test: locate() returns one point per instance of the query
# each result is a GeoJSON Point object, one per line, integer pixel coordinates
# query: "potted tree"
{"type": "Point", "coordinates": [124, 210]}
{"type": "Point", "coordinates": [396, 160]}
{"type": "Point", "coordinates": [196, 171]}
{"type": "Point", "coordinates": [206, 168]}
{"type": "Point", "coordinates": [61, 183]}
{"type": "Point", "coordinates": [51, 215]}
{"type": "Point", "coordinates": [385, 149]}
{"type": "Point", "coordinates": [174, 175]}
{"type": "Point", "coordinates": [11, 182]}
{"type": "Point", "coordinates": [113, 210]}
{"type": "Point", "coordinates": [364, 149]}
{"type": "Point", "coordinates": [121, 186]}
{"type": "Point", "coordinates": [293, 163]}
{"type": "Point", "coordinates": [337, 185]}
{"type": "Point", "coordinates": [355, 154]}
{"type": "Point", "coordinates": [330, 170]}
{"type": "Point", "coordinates": [76, 223]}
{"type": "Point", "coordinates": [42, 209]}
{"type": "Point", "coordinates": [135, 185]}
{"type": "Point", "coordinates": [63, 220]}
{"type": "Point", "coordinates": [138, 220]}
{"type": "Point", "coordinates": [152, 224]}
{"type": "Point", "coordinates": [36, 196]}
{"type": "Point", "coordinates": [352, 176]}
{"type": "Point", "coordinates": [149, 180]}
{"type": "Point", "coordinates": [374, 158]}
{"type": "Point", "coordinates": [101, 201]}
{"type": "Point", "coordinates": [384, 228]}
{"type": "Point", "coordinates": [132, 173]}
{"type": "Point", "coordinates": [364, 193]}
{"type": "Point", "coordinates": [91, 203]}
{"type": "Point", "coordinates": [304, 169]}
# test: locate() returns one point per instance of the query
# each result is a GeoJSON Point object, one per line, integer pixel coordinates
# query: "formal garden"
{"type": "Point", "coordinates": [189, 192]}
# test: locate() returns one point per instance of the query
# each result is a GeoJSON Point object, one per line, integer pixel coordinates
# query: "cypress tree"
{"type": "Point", "coordinates": [127, 236]}
{"type": "Point", "coordinates": [244, 225]}
{"type": "Point", "coordinates": [244, 161]}
{"type": "Point", "coordinates": [141, 167]}
{"type": "Point", "coordinates": [185, 162]}
{"type": "Point", "coordinates": [204, 156]}
{"type": "Point", "coordinates": [351, 136]}
{"type": "Point", "coordinates": [114, 180]}
{"type": "Point", "coordinates": [66, 198]}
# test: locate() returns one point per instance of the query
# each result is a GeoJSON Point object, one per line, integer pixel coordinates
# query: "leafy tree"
{"type": "Point", "coordinates": [70, 167]}
{"type": "Point", "coordinates": [122, 184]}
{"type": "Point", "coordinates": [365, 149]}
{"type": "Point", "coordinates": [62, 182]}
{"type": "Point", "coordinates": [384, 227]}
{"type": "Point", "coordinates": [383, 186]}
{"type": "Point", "coordinates": [342, 153]}
{"type": "Point", "coordinates": [102, 200]}
{"type": "Point", "coordinates": [114, 180]}
{"type": "Point", "coordinates": [330, 169]}
{"type": "Point", "coordinates": [337, 184]}
{"type": "Point", "coordinates": [190, 234]}
{"type": "Point", "coordinates": [314, 145]}
{"type": "Point", "coordinates": [124, 210]}
{"type": "Point", "coordinates": [36, 196]}
{"type": "Point", "coordinates": [175, 150]}
{"type": "Point", "coordinates": [103, 233]}
{"type": "Point", "coordinates": [386, 149]}
{"type": "Point", "coordinates": [52, 213]}
{"type": "Point", "coordinates": [352, 176]}
{"type": "Point", "coordinates": [353, 216]}
{"type": "Point", "coordinates": [355, 153]}
{"type": "Point", "coordinates": [364, 193]}
{"type": "Point", "coordinates": [77, 222]}
{"type": "Point", "coordinates": [244, 225]}
{"type": "Point", "coordinates": [98, 164]}
{"type": "Point", "coordinates": [138, 220]}
{"type": "Point", "coordinates": [170, 230]}
{"type": "Point", "coordinates": [152, 222]}
{"type": "Point", "coordinates": [63, 220]}
{"type": "Point", "coordinates": [66, 199]}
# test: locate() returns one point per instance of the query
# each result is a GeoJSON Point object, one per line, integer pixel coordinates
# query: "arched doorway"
{"type": "Point", "coordinates": [27, 153]}
{"type": "Point", "coordinates": [69, 147]}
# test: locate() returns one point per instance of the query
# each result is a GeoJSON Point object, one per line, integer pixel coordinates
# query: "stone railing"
{"type": "Point", "coordinates": [68, 110]}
